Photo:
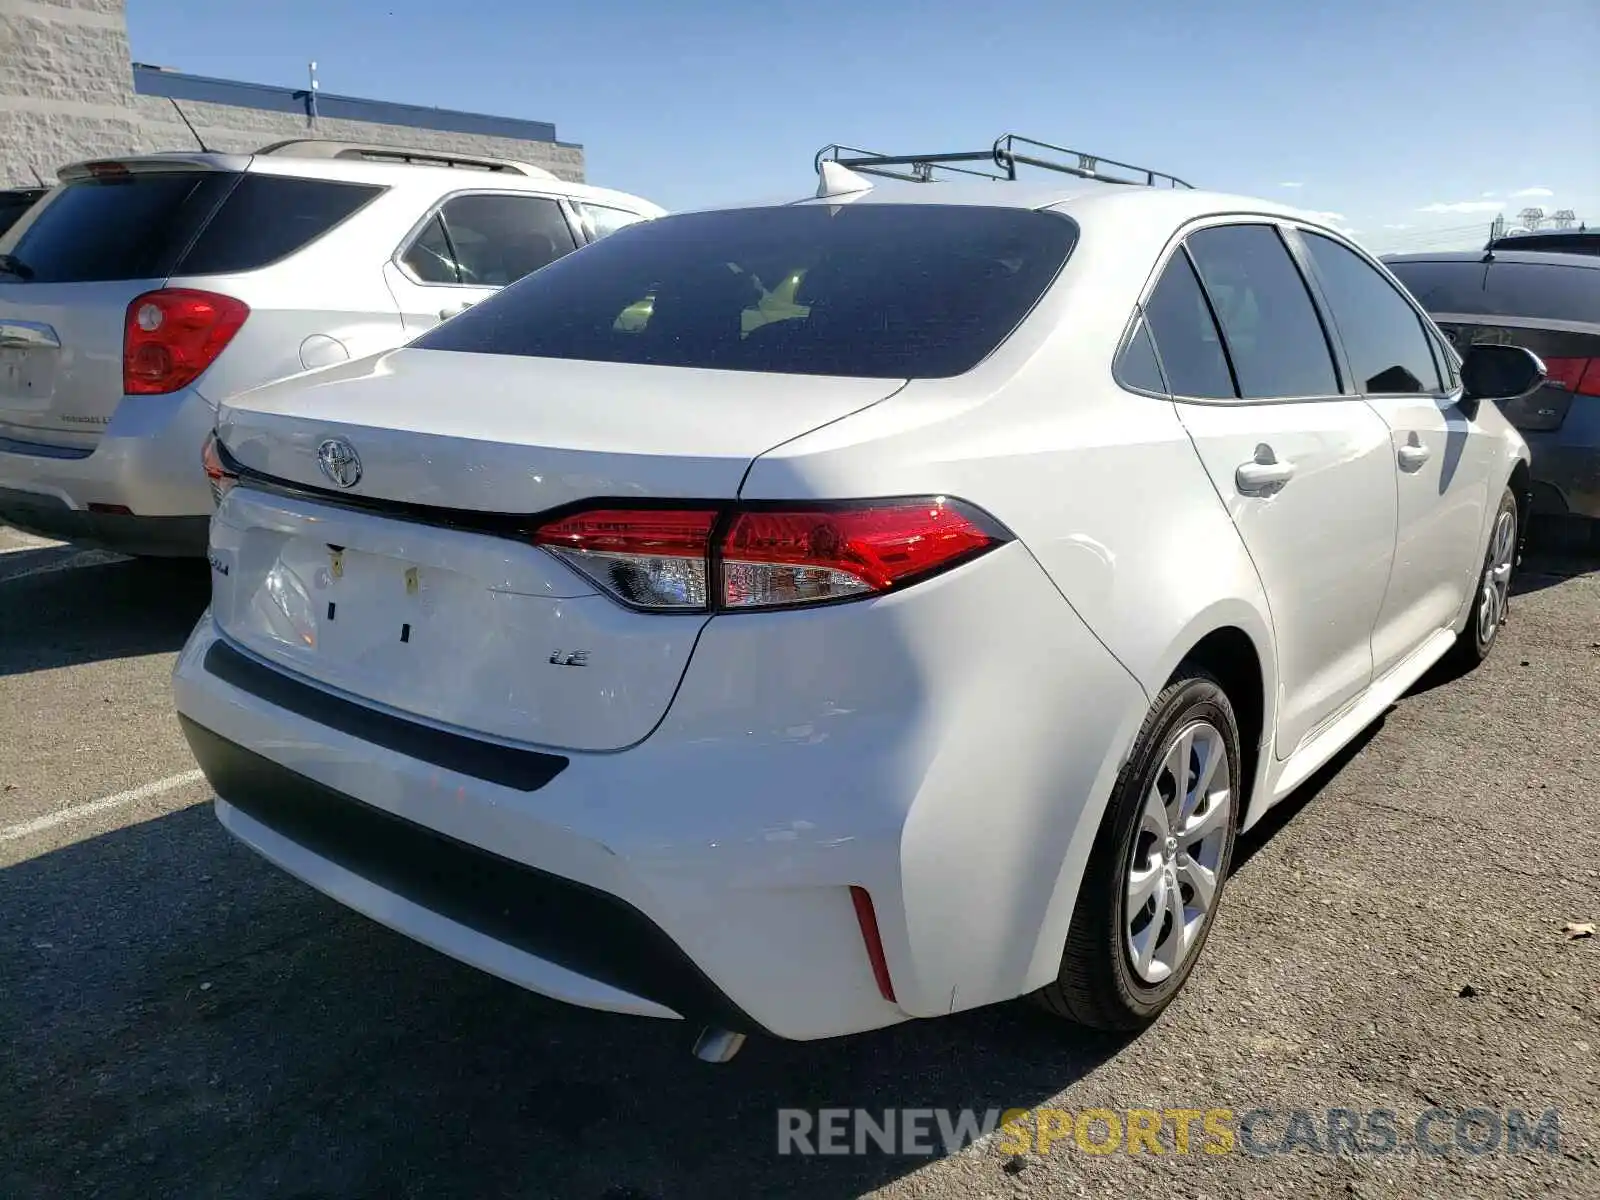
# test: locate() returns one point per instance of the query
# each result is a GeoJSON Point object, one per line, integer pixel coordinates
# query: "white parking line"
{"type": "Point", "coordinates": [50, 820]}
{"type": "Point", "coordinates": [25, 541]}
{"type": "Point", "coordinates": [83, 558]}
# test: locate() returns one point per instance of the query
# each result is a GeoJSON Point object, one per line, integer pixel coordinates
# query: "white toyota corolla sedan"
{"type": "Point", "coordinates": [804, 617]}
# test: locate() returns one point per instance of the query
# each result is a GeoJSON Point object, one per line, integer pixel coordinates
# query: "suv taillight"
{"type": "Point", "coordinates": [698, 559]}
{"type": "Point", "coordinates": [171, 336]}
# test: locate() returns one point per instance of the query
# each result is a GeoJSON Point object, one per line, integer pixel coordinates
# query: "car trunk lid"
{"type": "Point", "coordinates": [416, 586]}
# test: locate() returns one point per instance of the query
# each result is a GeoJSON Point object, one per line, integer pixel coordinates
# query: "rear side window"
{"type": "Point", "coordinates": [1137, 365]}
{"type": "Point", "coordinates": [1382, 334]}
{"type": "Point", "coordinates": [496, 240]}
{"type": "Point", "coordinates": [1274, 337]}
{"type": "Point", "coordinates": [269, 217]}
{"type": "Point", "coordinates": [1186, 336]}
{"type": "Point", "coordinates": [601, 221]}
{"type": "Point", "coordinates": [12, 206]}
{"type": "Point", "coordinates": [873, 290]}
{"type": "Point", "coordinates": [126, 227]}
{"type": "Point", "coordinates": [429, 256]}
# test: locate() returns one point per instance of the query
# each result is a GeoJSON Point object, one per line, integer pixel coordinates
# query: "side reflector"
{"type": "Point", "coordinates": [868, 920]}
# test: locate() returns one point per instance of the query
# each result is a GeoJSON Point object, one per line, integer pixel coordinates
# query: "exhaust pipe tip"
{"type": "Point", "coordinates": [717, 1045]}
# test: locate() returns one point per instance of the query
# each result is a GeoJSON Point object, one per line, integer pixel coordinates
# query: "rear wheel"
{"type": "Point", "coordinates": [1491, 604]}
{"type": "Point", "coordinates": [1160, 860]}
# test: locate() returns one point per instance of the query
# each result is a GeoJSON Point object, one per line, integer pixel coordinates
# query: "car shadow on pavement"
{"type": "Point", "coordinates": [1556, 551]}
{"type": "Point", "coordinates": [184, 1020]}
{"type": "Point", "coordinates": [61, 606]}
{"type": "Point", "coordinates": [1291, 806]}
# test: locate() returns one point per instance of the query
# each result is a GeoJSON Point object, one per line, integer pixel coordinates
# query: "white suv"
{"type": "Point", "coordinates": [805, 617]}
{"type": "Point", "coordinates": [143, 290]}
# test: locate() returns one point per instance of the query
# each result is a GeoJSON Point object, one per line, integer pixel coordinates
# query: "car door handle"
{"type": "Point", "coordinates": [1412, 457]}
{"type": "Point", "coordinates": [1263, 475]}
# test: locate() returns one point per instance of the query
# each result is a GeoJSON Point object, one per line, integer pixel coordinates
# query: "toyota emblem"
{"type": "Point", "coordinates": [339, 462]}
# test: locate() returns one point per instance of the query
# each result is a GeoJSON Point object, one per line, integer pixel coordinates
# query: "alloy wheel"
{"type": "Point", "coordinates": [1177, 852]}
{"type": "Point", "coordinates": [1496, 596]}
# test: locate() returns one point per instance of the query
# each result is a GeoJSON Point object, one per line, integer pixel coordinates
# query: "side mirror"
{"type": "Point", "coordinates": [1499, 373]}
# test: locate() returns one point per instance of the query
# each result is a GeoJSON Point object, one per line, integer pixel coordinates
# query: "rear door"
{"type": "Point", "coordinates": [96, 242]}
{"type": "Point", "coordinates": [1304, 469]}
{"type": "Point", "coordinates": [1442, 459]}
{"type": "Point", "coordinates": [470, 247]}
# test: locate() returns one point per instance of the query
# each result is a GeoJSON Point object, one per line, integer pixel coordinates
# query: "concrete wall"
{"type": "Point", "coordinates": [67, 94]}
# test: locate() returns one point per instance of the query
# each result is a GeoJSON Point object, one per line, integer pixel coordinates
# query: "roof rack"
{"type": "Point", "coordinates": [1004, 157]}
{"type": "Point", "coordinates": [325, 148]}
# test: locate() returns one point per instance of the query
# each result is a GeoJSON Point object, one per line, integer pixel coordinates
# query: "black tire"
{"type": "Point", "coordinates": [1097, 985]}
{"type": "Point", "coordinates": [1472, 647]}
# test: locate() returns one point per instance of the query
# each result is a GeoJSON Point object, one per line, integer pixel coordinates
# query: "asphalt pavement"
{"type": "Point", "coordinates": [179, 1019]}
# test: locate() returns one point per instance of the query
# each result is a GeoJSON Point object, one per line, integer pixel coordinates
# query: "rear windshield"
{"type": "Point", "coordinates": [151, 225]}
{"type": "Point", "coordinates": [1563, 292]}
{"type": "Point", "coordinates": [875, 291]}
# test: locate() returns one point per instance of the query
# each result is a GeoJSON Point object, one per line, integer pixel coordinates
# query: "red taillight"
{"type": "Point", "coordinates": [802, 556]}
{"type": "Point", "coordinates": [665, 560]}
{"type": "Point", "coordinates": [217, 474]}
{"type": "Point", "coordinates": [1580, 376]}
{"type": "Point", "coordinates": [655, 559]}
{"type": "Point", "coordinates": [171, 336]}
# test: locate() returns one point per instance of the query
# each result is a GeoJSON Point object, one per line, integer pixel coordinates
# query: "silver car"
{"type": "Point", "coordinates": [141, 291]}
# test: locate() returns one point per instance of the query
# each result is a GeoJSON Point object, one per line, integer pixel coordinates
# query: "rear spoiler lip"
{"type": "Point", "coordinates": [151, 164]}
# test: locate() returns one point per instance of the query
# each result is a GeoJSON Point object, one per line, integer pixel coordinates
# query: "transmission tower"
{"type": "Point", "coordinates": [1564, 218]}
{"type": "Point", "coordinates": [1532, 218]}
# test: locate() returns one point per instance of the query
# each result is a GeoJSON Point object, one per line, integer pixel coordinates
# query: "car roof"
{"type": "Point", "coordinates": [419, 176]}
{"type": "Point", "coordinates": [1553, 258]}
{"type": "Point", "coordinates": [1077, 198]}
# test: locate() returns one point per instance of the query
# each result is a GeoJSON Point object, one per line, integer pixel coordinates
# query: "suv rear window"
{"type": "Point", "coordinates": [1559, 291]}
{"type": "Point", "coordinates": [130, 227]}
{"type": "Point", "coordinates": [137, 226]}
{"type": "Point", "coordinates": [873, 290]}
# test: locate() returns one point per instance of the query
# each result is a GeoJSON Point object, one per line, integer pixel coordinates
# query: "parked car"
{"type": "Point", "coordinates": [1549, 303]}
{"type": "Point", "coordinates": [805, 657]}
{"type": "Point", "coordinates": [16, 201]}
{"type": "Point", "coordinates": [142, 290]}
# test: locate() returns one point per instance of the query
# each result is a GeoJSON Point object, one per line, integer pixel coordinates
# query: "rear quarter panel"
{"type": "Point", "coordinates": [323, 305]}
{"type": "Point", "coordinates": [1104, 489]}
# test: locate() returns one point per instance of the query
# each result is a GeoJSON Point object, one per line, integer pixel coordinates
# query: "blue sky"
{"type": "Point", "coordinates": [1415, 122]}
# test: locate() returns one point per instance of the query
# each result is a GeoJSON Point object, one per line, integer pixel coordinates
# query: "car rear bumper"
{"type": "Point", "coordinates": [140, 490]}
{"type": "Point", "coordinates": [1566, 462]}
{"type": "Point", "coordinates": [550, 934]}
{"type": "Point", "coordinates": [706, 872]}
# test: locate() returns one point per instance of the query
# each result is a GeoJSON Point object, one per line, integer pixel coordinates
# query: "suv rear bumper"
{"type": "Point", "coordinates": [145, 469]}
